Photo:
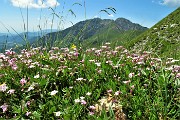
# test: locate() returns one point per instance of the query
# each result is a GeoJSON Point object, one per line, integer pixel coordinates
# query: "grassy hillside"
{"type": "Point", "coordinates": [93, 32]}
{"type": "Point", "coordinates": [163, 38]}
{"type": "Point", "coordinates": [114, 37]}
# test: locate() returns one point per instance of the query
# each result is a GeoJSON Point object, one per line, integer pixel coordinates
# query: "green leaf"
{"type": "Point", "coordinates": [16, 109]}
{"type": "Point", "coordinates": [42, 82]}
{"type": "Point", "coordinates": [53, 109]}
{"type": "Point", "coordinates": [45, 62]}
{"type": "Point", "coordinates": [36, 115]}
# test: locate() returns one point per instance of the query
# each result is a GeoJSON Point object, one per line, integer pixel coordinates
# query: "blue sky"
{"type": "Point", "coordinates": [144, 12]}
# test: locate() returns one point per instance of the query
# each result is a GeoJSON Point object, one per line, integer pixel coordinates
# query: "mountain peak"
{"type": "Point", "coordinates": [126, 24]}
{"type": "Point", "coordinates": [84, 31]}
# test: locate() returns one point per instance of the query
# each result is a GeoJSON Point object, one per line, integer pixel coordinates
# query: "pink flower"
{"type": "Point", "coordinates": [28, 113]}
{"type": "Point", "coordinates": [109, 91]}
{"type": "Point", "coordinates": [3, 87]}
{"type": "Point", "coordinates": [131, 91]}
{"type": "Point", "coordinates": [75, 54]}
{"type": "Point", "coordinates": [28, 103]}
{"type": "Point", "coordinates": [4, 107]}
{"type": "Point", "coordinates": [117, 93]}
{"type": "Point", "coordinates": [132, 86]}
{"type": "Point", "coordinates": [83, 102]}
{"type": "Point", "coordinates": [131, 75]}
{"type": "Point", "coordinates": [178, 75]}
{"type": "Point", "coordinates": [92, 107]}
{"type": "Point", "coordinates": [22, 81]}
{"type": "Point", "coordinates": [99, 71]}
{"type": "Point", "coordinates": [11, 91]}
{"type": "Point", "coordinates": [9, 52]}
{"type": "Point", "coordinates": [91, 113]}
{"type": "Point", "coordinates": [14, 67]}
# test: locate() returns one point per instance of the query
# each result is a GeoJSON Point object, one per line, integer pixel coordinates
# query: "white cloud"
{"type": "Point", "coordinates": [111, 15]}
{"type": "Point", "coordinates": [35, 3]}
{"type": "Point", "coordinates": [96, 16]}
{"type": "Point", "coordinates": [171, 3]}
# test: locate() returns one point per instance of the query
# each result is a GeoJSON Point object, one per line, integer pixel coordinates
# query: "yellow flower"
{"type": "Point", "coordinates": [73, 46]}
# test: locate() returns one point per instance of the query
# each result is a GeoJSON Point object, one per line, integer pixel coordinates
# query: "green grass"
{"type": "Point", "coordinates": [144, 87]}
{"type": "Point", "coordinates": [163, 38]}
{"type": "Point", "coordinates": [112, 36]}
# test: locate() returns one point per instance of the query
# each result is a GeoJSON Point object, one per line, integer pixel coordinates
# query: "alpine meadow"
{"type": "Point", "coordinates": [95, 69]}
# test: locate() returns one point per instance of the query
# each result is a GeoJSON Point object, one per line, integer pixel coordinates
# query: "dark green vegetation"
{"type": "Point", "coordinates": [163, 38]}
{"type": "Point", "coordinates": [94, 32]}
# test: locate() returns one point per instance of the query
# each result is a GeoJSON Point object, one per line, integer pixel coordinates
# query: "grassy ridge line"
{"type": "Point", "coordinates": [162, 38]}
{"type": "Point", "coordinates": [94, 30]}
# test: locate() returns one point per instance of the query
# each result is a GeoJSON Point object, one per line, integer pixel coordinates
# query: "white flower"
{"type": "Point", "coordinates": [79, 79]}
{"type": "Point", "coordinates": [53, 92]}
{"type": "Point", "coordinates": [70, 87]}
{"type": "Point", "coordinates": [57, 114]}
{"type": "Point", "coordinates": [77, 100]}
{"type": "Point", "coordinates": [98, 64]}
{"type": "Point", "coordinates": [82, 98]}
{"type": "Point", "coordinates": [88, 93]}
{"type": "Point", "coordinates": [30, 88]}
{"type": "Point", "coordinates": [117, 93]}
{"type": "Point", "coordinates": [126, 82]}
{"type": "Point", "coordinates": [31, 66]}
{"type": "Point", "coordinates": [91, 60]}
{"type": "Point", "coordinates": [107, 43]}
{"type": "Point", "coordinates": [36, 76]}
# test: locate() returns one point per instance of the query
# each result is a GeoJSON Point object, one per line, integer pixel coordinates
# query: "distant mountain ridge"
{"type": "Point", "coordinates": [35, 33]}
{"type": "Point", "coordinates": [10, 40]}
{"type": "Point", "coordinates": [84, 31]}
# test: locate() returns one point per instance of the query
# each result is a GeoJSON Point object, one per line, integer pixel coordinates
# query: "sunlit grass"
{"type": "Point", "coordinates": [101, 83]}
